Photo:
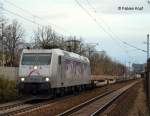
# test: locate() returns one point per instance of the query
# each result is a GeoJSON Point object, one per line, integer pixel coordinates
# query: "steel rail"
{"type": "Point", "coordinates": [102, 107]}
{"type": "Point", "coordinates": [27, 107]}
{"type": "Point", "coordinates": [106, 105]}
{"type": "Point", "coordinates": [24, 109]}
{"type": "Point", "coordinates": [78, 107]}
{"type": "Point", "coordinates": [14, 104]}
{"type": "Point", "coordinates": [109, 103]}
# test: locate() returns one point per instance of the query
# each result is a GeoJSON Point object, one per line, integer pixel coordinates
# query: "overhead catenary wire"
{"type": "Point", "coordinates": [34, 16]}
{"type": "Point", "coordinates": [116, 37]}
{"type": "Point", "coordinates": [103, 21]}
{"type": "Point", "coordinates": [93, 18]}
{"type": "Point", "coordinates": [95, 11]}
{"type": "Point", "coordinates": [109, 34]}
{"type": "Point", "coordinates": [16, 14]}
{"type": "Point", "coordinates": [21, 9]}
{"type": "Point", "coordinates": [26, 19]}
{"type": "Point", "coordinates": [108, 27]}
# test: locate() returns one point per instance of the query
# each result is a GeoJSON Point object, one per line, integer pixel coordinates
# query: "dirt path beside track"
{"type": "Point", "coordinates": [131, 103]}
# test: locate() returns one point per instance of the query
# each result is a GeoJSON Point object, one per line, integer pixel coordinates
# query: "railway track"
{"type": "Point", "coordinates": [21, 106]}
{"type": "Point", "coordinates": [15, 103]}
{"type": "Point", "coordinates": [97, 105]}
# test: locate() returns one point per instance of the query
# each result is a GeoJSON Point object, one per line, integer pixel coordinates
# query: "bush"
{"type": "Point", "coordinates": [8, 90]}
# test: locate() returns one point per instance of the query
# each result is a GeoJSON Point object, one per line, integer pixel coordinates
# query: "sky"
{"type": "Point", "coordinates": [106, 22]}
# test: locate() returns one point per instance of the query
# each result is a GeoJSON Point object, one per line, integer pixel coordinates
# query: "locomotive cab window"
{"type": "Point", "coordinates": [36, 59]}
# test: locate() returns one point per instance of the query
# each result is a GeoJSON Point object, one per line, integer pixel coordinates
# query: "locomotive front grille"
{"type": "Point", "coordinates": [34, 79]}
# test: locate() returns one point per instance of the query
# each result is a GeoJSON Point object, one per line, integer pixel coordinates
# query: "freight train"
{"type": "Point", "coordinates": [53, 71]}
{"type": "Point", "coordinates": [57, 72]}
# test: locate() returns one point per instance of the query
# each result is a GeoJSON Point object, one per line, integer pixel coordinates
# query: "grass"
{"type": "Point", "coordinates": [8, 91]}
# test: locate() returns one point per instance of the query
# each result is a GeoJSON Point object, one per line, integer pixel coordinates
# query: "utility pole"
{"type": "Point", "coordinates": [129, 69]}
{"type": "Point", "coordinates": [89, 49]}
{"type": "Point", "coordinates": [2, 44]}
{"type": "Point", "coordinates": [125, 76]}
{"type": "Point", "coordinates": [147, 46]}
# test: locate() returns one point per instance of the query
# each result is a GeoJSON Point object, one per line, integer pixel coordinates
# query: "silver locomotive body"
{"type": "Point", "coordinates": [52, 70]}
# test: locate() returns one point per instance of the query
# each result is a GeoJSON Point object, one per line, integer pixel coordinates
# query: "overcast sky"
{"type": "Point", "coordinates": [114, 22]}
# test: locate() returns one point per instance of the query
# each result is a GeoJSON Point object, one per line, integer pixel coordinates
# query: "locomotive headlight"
{"type": "Point", "coordinates": [35, 67]}
{"type": "Point", "coordinates": [22, 79]}
{"type": "Point", "coordinates": [46, 79]}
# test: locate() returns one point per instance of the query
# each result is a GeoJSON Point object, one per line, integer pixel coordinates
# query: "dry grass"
{"type": "Point", "coordinates": [8, 90]}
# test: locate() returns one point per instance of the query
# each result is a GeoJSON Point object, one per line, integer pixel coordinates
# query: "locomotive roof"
{"type": "Point", "coordinates": [59, 52]}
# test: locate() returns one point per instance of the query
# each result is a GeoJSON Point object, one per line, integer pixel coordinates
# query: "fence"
{"type": "Point", "coordinates": [9, 73]}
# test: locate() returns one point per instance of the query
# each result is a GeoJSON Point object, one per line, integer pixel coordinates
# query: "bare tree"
{"type": "Point", "coordinates": [1, 42]}
{"type": "Point", "coordinates": [46, 38]}
{"type": "Point", "coordinates": [102, 64]}
{"type": "Point", "coordinates": [13, 34]}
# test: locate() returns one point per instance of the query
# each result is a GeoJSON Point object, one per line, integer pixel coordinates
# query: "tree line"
{"type": "Point", "coordinates": [12, 40]}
